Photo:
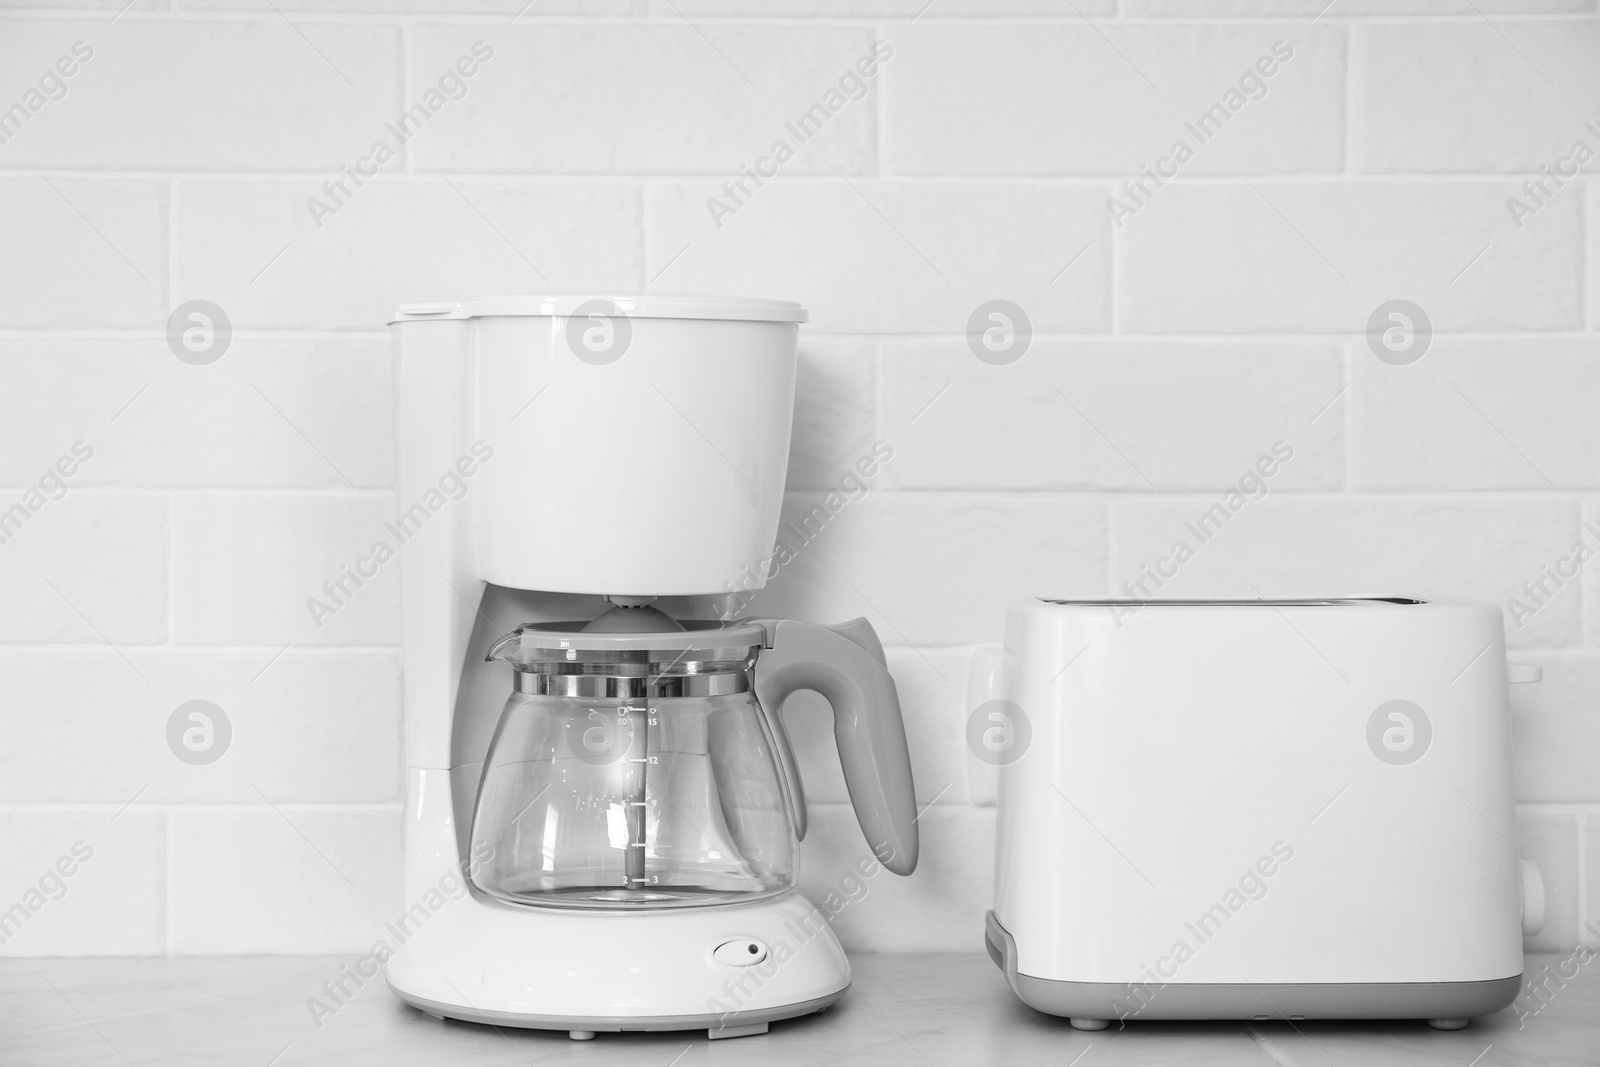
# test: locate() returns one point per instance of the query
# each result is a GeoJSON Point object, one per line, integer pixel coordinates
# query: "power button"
{"type": "Point", "coordinates": [740, 952]}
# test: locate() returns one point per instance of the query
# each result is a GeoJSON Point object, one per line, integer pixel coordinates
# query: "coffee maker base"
{"type": "Point", "coordinates": [727, 969]}
{"type": "Point", "coordinates": [584, 1028]}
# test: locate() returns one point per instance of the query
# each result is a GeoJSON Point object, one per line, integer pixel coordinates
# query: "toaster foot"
{"type": "Point", "coordinates": [1448, 1024]}
{"type": "Point", "coordinates": [1088, 1024]}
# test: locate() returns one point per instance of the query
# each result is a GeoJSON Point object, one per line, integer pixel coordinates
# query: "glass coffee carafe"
{"type": "Point", "coordinates": [641, 770]}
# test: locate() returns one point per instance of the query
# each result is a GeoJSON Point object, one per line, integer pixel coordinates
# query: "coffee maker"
{"type": "Point", "coordinates": [595, 749]}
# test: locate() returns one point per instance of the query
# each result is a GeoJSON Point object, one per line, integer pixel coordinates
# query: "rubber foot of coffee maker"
{"type": "Point", "coordinates": [737, 1031]}
{"type": "Point", "coordinates": [1448, 1024]}
{"type": "Point", "coordinates": [581, 1035]}
{"type": "Point", "coordinates": [1088, 1024]}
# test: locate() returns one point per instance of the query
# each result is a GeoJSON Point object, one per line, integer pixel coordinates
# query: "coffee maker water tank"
{"type": "Point", "coordinates": [639, 444]}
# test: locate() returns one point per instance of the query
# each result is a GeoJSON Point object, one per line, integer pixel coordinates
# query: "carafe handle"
{"type": "Point", "coordinates": [845, 664]}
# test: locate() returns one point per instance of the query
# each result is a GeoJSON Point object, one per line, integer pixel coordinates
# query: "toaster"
{"type": "Point", "coordinates": [1256, 809]}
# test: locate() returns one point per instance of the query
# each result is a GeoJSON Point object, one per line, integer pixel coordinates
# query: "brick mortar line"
{"type": "Point", "coordinates": [1116, 284]}
{"type": "Point", "coordinates": [1348, 414]}
{"type": "Point", "coordinates": [1099, 182]}
{"type": "Point", "coordinates": [999, 494]}
{"type": "Point", "coordinates": [1584, 888]}
{"type": "Point", "coordinates": [1348, 101]}
{"type": "Point", "coordinates": [445, 20]}
{"type": "Point", "coordinates": [100, 333]}
{"type": "Point", "coordinates": [646, 196]}
{"type": "Point", "coordinates": [168, 853]}
{"type": "Point", "coordinates": [1587, 207]}
{"type": "Point", "coordinates": [1586, 624]}
{"type": "Point", "coordinates": [224, 491]}
{"type": "Point", "coordinates": [880, 109]}
{"type": "Point", "coordinates": [1111, 552]}
{"type": "Point", "coordinates": [1583, 807]}
{"type": "Point", "coordinates": [1574, 652]}
{"type": "Point", "coordinates": [168, 807]}
{"type": "Point", "coordinates": [172, 208]}
{"type": "Point", "coordinates": [69, 648]}
{"type": "Point", "coordinates": [407, 54]}
{"type": "Point", "coordinates": [113, 333]}
{"type": "Point", "coordinates": [1525, 494]}
{"type": "Point", "coordinates": [1565, 807]}
{"type": "Point", "coordinates": [169, 560]}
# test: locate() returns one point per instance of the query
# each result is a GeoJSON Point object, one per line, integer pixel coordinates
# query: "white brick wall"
{"type": "Point", "coordinates": [1227, 312]}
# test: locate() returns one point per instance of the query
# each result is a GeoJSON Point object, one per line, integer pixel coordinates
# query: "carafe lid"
{"type": "Point", "coordinates": [702, 659]}
{"type": "Point", "coordinates": [697, 635]}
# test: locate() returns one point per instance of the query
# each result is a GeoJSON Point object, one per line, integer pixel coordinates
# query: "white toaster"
{"type": "Point", "coordinates": [1257, 809]}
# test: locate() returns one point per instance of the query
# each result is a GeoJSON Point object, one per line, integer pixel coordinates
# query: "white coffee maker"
{"type": "Point", "coordinates": [610, 777]}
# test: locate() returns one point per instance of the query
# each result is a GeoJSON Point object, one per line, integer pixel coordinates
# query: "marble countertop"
{"type": "Point", "coordinates": [903, 1009]}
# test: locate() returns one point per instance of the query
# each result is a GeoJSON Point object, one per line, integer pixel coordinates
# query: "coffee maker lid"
{"type": "Point", "coordinates": [636, 305]}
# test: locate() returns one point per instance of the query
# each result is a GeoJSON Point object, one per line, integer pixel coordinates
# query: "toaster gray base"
{"type": "Point", "coordinates": [1088, 1002]}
